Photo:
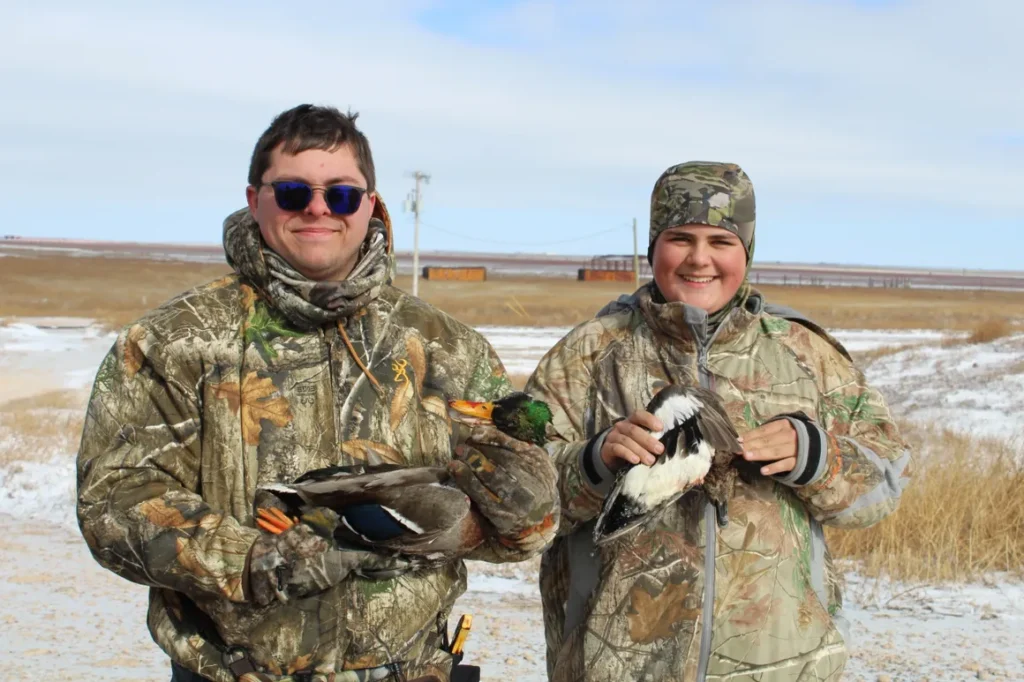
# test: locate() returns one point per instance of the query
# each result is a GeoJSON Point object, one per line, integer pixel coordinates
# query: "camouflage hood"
{"type": "Point", "coordinates": [704, 193]}
{"type": "Point", "coordinates": [307, 304]}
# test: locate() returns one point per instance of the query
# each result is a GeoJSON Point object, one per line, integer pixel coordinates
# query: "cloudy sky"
{"type": "Point", "coordinates": [875, 131]}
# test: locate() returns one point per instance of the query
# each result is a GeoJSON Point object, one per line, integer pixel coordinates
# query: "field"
{"type": "Point", "coordinates": [114, 291]}
{"type": "Point", "coordinates": [951, 364]}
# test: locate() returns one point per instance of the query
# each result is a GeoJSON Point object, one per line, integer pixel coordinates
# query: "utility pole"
{"type": "Point", "coordinates": [636, 260]}
{"type": "Point", "coordinates": [414, 203]}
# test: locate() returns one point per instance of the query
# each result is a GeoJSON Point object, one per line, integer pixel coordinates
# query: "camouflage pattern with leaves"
{"type": "Point", "coordinates": [775, 608]}
{"type": "Point", "coordinates": [215, 393]}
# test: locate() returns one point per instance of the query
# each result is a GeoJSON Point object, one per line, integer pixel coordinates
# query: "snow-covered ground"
{"type": "Point", "coordinates": [55, 597]}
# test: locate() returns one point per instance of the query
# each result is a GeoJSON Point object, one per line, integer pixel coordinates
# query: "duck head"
{"type": "Point", "coordinates": [518, 415]}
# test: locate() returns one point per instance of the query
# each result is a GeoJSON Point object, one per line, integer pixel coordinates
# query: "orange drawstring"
{"type": "Point", "coordinates": [355, 356]}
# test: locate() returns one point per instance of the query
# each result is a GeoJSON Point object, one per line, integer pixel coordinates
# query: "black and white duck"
{"type": "Point", "coordinates": [700, 444]}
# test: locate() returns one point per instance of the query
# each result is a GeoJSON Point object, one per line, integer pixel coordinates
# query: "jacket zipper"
{"type": "Point", "coordinates": [710, 529]}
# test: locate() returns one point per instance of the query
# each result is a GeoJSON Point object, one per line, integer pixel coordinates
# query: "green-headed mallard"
{"type": "Point", "coordinates": [414, 511]}
{"type": "Point", "coordinates": [518, 415]}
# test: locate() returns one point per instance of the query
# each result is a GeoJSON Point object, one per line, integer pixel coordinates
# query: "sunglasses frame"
{"type": "Point", "coordinates": [361, 191]}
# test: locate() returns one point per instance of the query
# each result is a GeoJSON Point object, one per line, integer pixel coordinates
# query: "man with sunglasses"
{"type": "Point", "coordinates": [305, 357]}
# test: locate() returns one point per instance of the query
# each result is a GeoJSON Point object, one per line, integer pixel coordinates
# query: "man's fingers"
{"type": "Point", "coordinates": [764, 437]}
{"type": "Point", "coordinates": [777, 441]}
{"type": "Point", "coordinates": [647, 420]}
{"type": "Point", "coordinates": [769, 454]}
{"type": "Point", "coordinates": [642, 437]}
{"type": "Point", "coordinates": [636, 450]}
{"type": "Point", "coordinates": [779, 467]}
{"type": "Point", "coordinates": [768, 429]}
{"type": "Point", "coordinates": [620, 451]}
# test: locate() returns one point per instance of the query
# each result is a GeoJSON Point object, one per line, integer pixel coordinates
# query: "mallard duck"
{"type": "Point", "coordinates": [410, 511]}
{"type": "Point", "coordinates": [700, 444]}
{"type": "Point", "coordinates": [517, 414]}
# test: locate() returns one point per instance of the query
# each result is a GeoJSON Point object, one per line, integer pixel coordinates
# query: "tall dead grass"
{"type": "Point", "coordinates": [961, 516]}
{"type": "Point", "coordinates": [41, 427]}
{"type": "Point", "coordinates": [990, 330]}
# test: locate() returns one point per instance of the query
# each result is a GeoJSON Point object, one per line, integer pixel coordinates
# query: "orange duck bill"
{"type": "Point", "coordinates": [470, 412]}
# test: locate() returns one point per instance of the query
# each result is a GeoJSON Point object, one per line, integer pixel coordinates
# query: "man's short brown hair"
{"type": "Point", "coordinates": [306, 127]}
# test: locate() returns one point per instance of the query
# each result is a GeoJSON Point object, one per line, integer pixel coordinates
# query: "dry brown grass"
{"type": "Point", "coordinates": [116, 291]}
{"type": "Point", "coordinates": [41, 427]}
{"type": "Point", "coordinates": [990, 330]}
{"type": "Point", "coordinates": [113, 291]}
{"type": "Point", "coordinates": [865, 357]}
{"type": "Point", "coordinates": [962, 515]}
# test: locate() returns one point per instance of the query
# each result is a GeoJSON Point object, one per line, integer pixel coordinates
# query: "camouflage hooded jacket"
{"type": "Point", "coordinates": [213, 394]}
{"type": "Point", "coordinates": [685, 599]}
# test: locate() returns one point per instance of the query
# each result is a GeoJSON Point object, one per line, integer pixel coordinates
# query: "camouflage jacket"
{"type": "Point", "coordinates": [685, 599]}
{"type": "Point", "coordinates": [211, 395]}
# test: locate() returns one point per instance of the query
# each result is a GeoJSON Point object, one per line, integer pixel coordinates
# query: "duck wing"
{"type": "Point", "coordinates": [690, 415]}
{"type": "Point", "coordinates": [407, 510]}
{"type": "Point", "coordinates": [335, 487]}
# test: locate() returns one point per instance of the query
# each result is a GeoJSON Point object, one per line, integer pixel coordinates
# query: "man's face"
{"type": "Point", "coordinates": [321, 245]}
{"type": "Point", "coordinates": [699, 265]}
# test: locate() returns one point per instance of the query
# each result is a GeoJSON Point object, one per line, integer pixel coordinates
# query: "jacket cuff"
{"type": "Point", "coordinates": [812, 452]}
{"type": "Point", "coordinates": [595, 471]}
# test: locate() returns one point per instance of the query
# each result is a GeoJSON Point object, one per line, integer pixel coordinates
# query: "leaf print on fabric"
{"type": "Point", "coordinates": [418, 360]}
{"type": "Point", "coordinates": [653, 618]}
{"type": "Point", "coordinates": [188, 558]}
{"type": "Point", "coordinates": [401, 401]}
{"type": "Point", "coordinates": [300, 664]}
{"type": "Point", "coordinates": [261, 328]}
{"type": "Point", "coordinates": [436, 406]}
{"type": "Point", "coordinates": [133, 355]}
{"type": "Point", "coordinates": [369, 451]}
{"type": "Point", "coordinates": [249, 297]}
{"type": "Point", "coordinates": [775, 325]}
{"type": "Point", "coordinates": [159, 513]}
{"type": "Point", "coordinates": [254, 401]}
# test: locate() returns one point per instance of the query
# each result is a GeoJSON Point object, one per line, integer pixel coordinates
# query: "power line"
{"type": "Point", "coordinates": [488, 240]}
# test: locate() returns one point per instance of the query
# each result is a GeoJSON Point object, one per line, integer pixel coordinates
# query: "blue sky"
{"type": "Point", "coordinates": [875, 131]}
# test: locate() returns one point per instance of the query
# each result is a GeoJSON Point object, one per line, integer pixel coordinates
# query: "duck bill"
{"type": "Point", "coordinates": [470, 412]}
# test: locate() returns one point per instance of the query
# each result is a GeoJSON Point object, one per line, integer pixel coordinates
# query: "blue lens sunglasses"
{"type": "Point", "coordinates": [293, 195]}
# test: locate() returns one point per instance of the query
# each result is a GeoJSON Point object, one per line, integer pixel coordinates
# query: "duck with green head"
{"type": "Point", "coordinates": [412, 512]}
{"type": "Point", "coordinates": [517, 415]}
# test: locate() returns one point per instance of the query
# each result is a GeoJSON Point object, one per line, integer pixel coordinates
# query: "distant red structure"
{"type": "Point", "coordinates": [611, 268]}
{"type": "Point", "coordinates": [459, 274]}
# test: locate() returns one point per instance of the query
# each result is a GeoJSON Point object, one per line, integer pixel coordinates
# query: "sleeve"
{"type": "Point", "coordinates": [852, 463]}
{"type": "Point", "coordinates": [563, 381]}
{"type": "Point", "coordinates": [138, 477]}
{"type": "Point", "coordinates": [512, 484]}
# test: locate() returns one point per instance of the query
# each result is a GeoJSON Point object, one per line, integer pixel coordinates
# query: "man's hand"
{"type": "Point", "coordinates": [512, 485]}
{"type": "Point", "coordinates": [299, 562]}
{"type": "Point", "coordinates": [774, 442]}
{"type": "Point", "coordinates": [630, 441]}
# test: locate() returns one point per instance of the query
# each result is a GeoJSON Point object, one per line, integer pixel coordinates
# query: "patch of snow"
{"type": "Point", "coordinates": [480, 582]}
{"type": "Point", "coordinates": [40, 490]}
{"type": "Point", "coordinates": [976, 389]}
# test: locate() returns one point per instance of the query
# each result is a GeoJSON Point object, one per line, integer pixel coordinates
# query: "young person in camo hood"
{"type": "Point", "coordinates": [685, 598]}
{"type": "Point", "coordinates": [304, 357]}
